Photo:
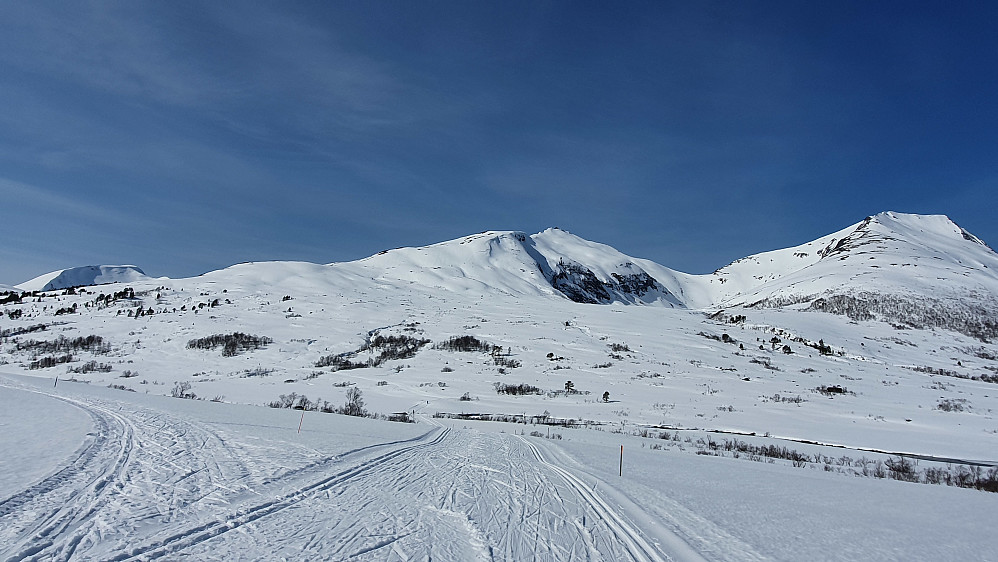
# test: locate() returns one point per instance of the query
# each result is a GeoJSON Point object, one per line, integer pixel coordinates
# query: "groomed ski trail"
{"type": "Point", "coordinates": [150, 484]}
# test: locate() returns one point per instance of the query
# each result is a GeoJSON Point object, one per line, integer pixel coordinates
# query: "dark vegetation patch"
{"type": "Point", "coordinates": [540, 419]}
{"type": "Point", "coordinates": [895, 467]}
{"type": "Point", "coordinates": [50, 361]}
{"type": "Point", "coordinates": [975, 319]}
{"type": "Point", "coordinates": [955, 374]}
{"type": "Point", "coordinates": [91, 367]}
{"type": "Point", "coordinates": [231, 344]}
{"type": "Point", "coordinates": [11, 332]}
{"type": "Point", "coordinates": [387, 348]}
{"type": "Point", "coordinates": [516, 389]}
{"type": "Point", "coordinates": [833, 390]}
{"type": "Point", "coordinates": [466, 344]}
{"type": "Point", "coordinates": [473, 344]}
{"type": "Point", "coordinates": [765, 363]}
{"type": "Point", "coordinates": [62, 344]}
{"type": "Point", "coordinates": [353, 406]}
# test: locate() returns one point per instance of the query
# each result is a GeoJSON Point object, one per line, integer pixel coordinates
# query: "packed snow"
{"type": "Point", "coordinates": [752, 432]}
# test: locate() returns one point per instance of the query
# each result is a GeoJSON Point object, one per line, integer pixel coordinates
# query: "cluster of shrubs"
{"type": "Point", "coordinates": [91, 367]}
{"type": "Point", "coordinates": [50, 361]}
{"type": "Point", "coordinates": [387, 347]}
{"type": "Point", "coordinates": [341, 363]}
{"type": "Point", "coordinates": [473, 344]}
{"type": "Point", "coordinates": [742, 448]}
{"type": "Point", "coordinates": [952, 405]}
{"type": "Point", "coordinates": [466, 344]}
{"type": "Point", "coordinates": [394, 347]}
{"type": "Point", "coordinates": [62, 344]}
{"type": "Point", "coordinates": [183, 390]}
{"type": "Point", "coordinates": [948, 373]}
{"type": "Point", "coordinates": [120, 387]}
{"type": "Point", "coordinates": [11, 298]}
{"type": "Point", "coordinates": [833, 390]}
{"type": "Point", "coordinates": [501, 362]}
{"type": "Point", "coordinates": [516, 389]}
{"type": "Point", "coordinates": [231, 344]}
{"type": "Point", "coordinates": [353, 406]}
{"type": "Point", "coordinates": [11, 332]}
{"type": "Point", "coordinates": [900, 468]}
{"type": "Point", "coordinates": [67, 310]}
{"type": "Point", "coordinates": [724, 338]}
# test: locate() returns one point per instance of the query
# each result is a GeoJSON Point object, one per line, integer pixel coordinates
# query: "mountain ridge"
{"type": "Point", "coordinates": [918, 261]}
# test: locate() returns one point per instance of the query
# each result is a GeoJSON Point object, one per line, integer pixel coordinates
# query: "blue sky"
{"type": "Point", "coordinates": [187, 136]}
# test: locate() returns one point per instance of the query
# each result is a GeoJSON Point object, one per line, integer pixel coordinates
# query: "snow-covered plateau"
{"type": "Point", "coordinates": [830, 401]}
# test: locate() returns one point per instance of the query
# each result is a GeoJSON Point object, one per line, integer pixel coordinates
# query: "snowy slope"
{"type": "Point", "coordinates": [139, 477]}
{"type": "Point", "coordinates": [889, 252]}
{"type": "Point", "coordinates": [551, 263]}
{"type": "Point", "coordinates": [845, 394]}
{"type": "Point", "coordinates": [84, 276]}
{"type": "Point", "coordinates": [486, 263]}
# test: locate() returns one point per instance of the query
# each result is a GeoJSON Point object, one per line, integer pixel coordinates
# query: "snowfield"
{"type": "Point", "coordinates": [163, 478]}
{"type": "Point", "coordinates": [754, 423]}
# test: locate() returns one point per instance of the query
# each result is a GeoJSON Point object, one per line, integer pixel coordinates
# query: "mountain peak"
{"type": "Point", "coordinates": [83, 276]}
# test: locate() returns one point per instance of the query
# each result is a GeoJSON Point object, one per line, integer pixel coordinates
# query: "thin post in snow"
{"type": "Point", "coordinates": [621, 472]}
{"type": "Point", "coordinates": [302, 420]}
{"type": "Point", "coordinates": [56, 381]}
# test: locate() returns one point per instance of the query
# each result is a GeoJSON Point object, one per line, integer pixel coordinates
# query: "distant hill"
{"type": "Point", "coordinates": [83, 276]}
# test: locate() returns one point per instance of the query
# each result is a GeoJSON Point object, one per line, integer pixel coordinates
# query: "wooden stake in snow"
{"type": "Point", "coordinates": [621, 473]}
{"type": "Point", "coordinates": [302, 419]}
{"type": "Point", "coordinates": [56, 382]}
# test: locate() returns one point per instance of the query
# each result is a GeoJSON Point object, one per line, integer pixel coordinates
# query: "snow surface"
{"type": "Point", "coordinates": [179, 478]}
{"type": "Point", "coordinates": [31, 419]}
{"type": "Point", "coordinates": [111, 474]}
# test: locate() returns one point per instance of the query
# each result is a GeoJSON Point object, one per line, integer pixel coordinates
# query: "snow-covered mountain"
{"type": "Point", "coordinates": [919, 271]}
{"type": "Point", "coordinates": [915, 270]}
{"type": "Point", "coordinates": [551, 263]}
{"type": "Point", "coordinates": [83, 276]}
{"type": "Point", "coordinates": [886, 253]}
{"type": "Point", "coordinates": [889, 252]}
{"type": "Point", "coordinates": [912, 270]}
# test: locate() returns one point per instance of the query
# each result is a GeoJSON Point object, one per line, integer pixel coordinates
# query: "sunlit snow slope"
{"type": "Point", "coordinates": [83, 276]}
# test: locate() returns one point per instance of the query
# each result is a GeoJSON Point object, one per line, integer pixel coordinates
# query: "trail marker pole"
{"type": "Point", "coordinates": [302, 420]}
{"type": "Point", "coordinates": [56, 381]}
{"type": "Point", "coordinates": [621, 473]}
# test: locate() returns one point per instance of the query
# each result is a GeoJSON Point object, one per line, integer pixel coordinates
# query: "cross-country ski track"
{"type": "Point", "coordinates": [153, 483]}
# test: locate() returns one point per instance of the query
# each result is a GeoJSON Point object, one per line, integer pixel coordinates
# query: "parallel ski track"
{"type": "Point", "coordinates": [192, 536]}
{"type": "Point", "coordinates": [636, 545]}
{"type": "Point", "coordinates": [84, 484]}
